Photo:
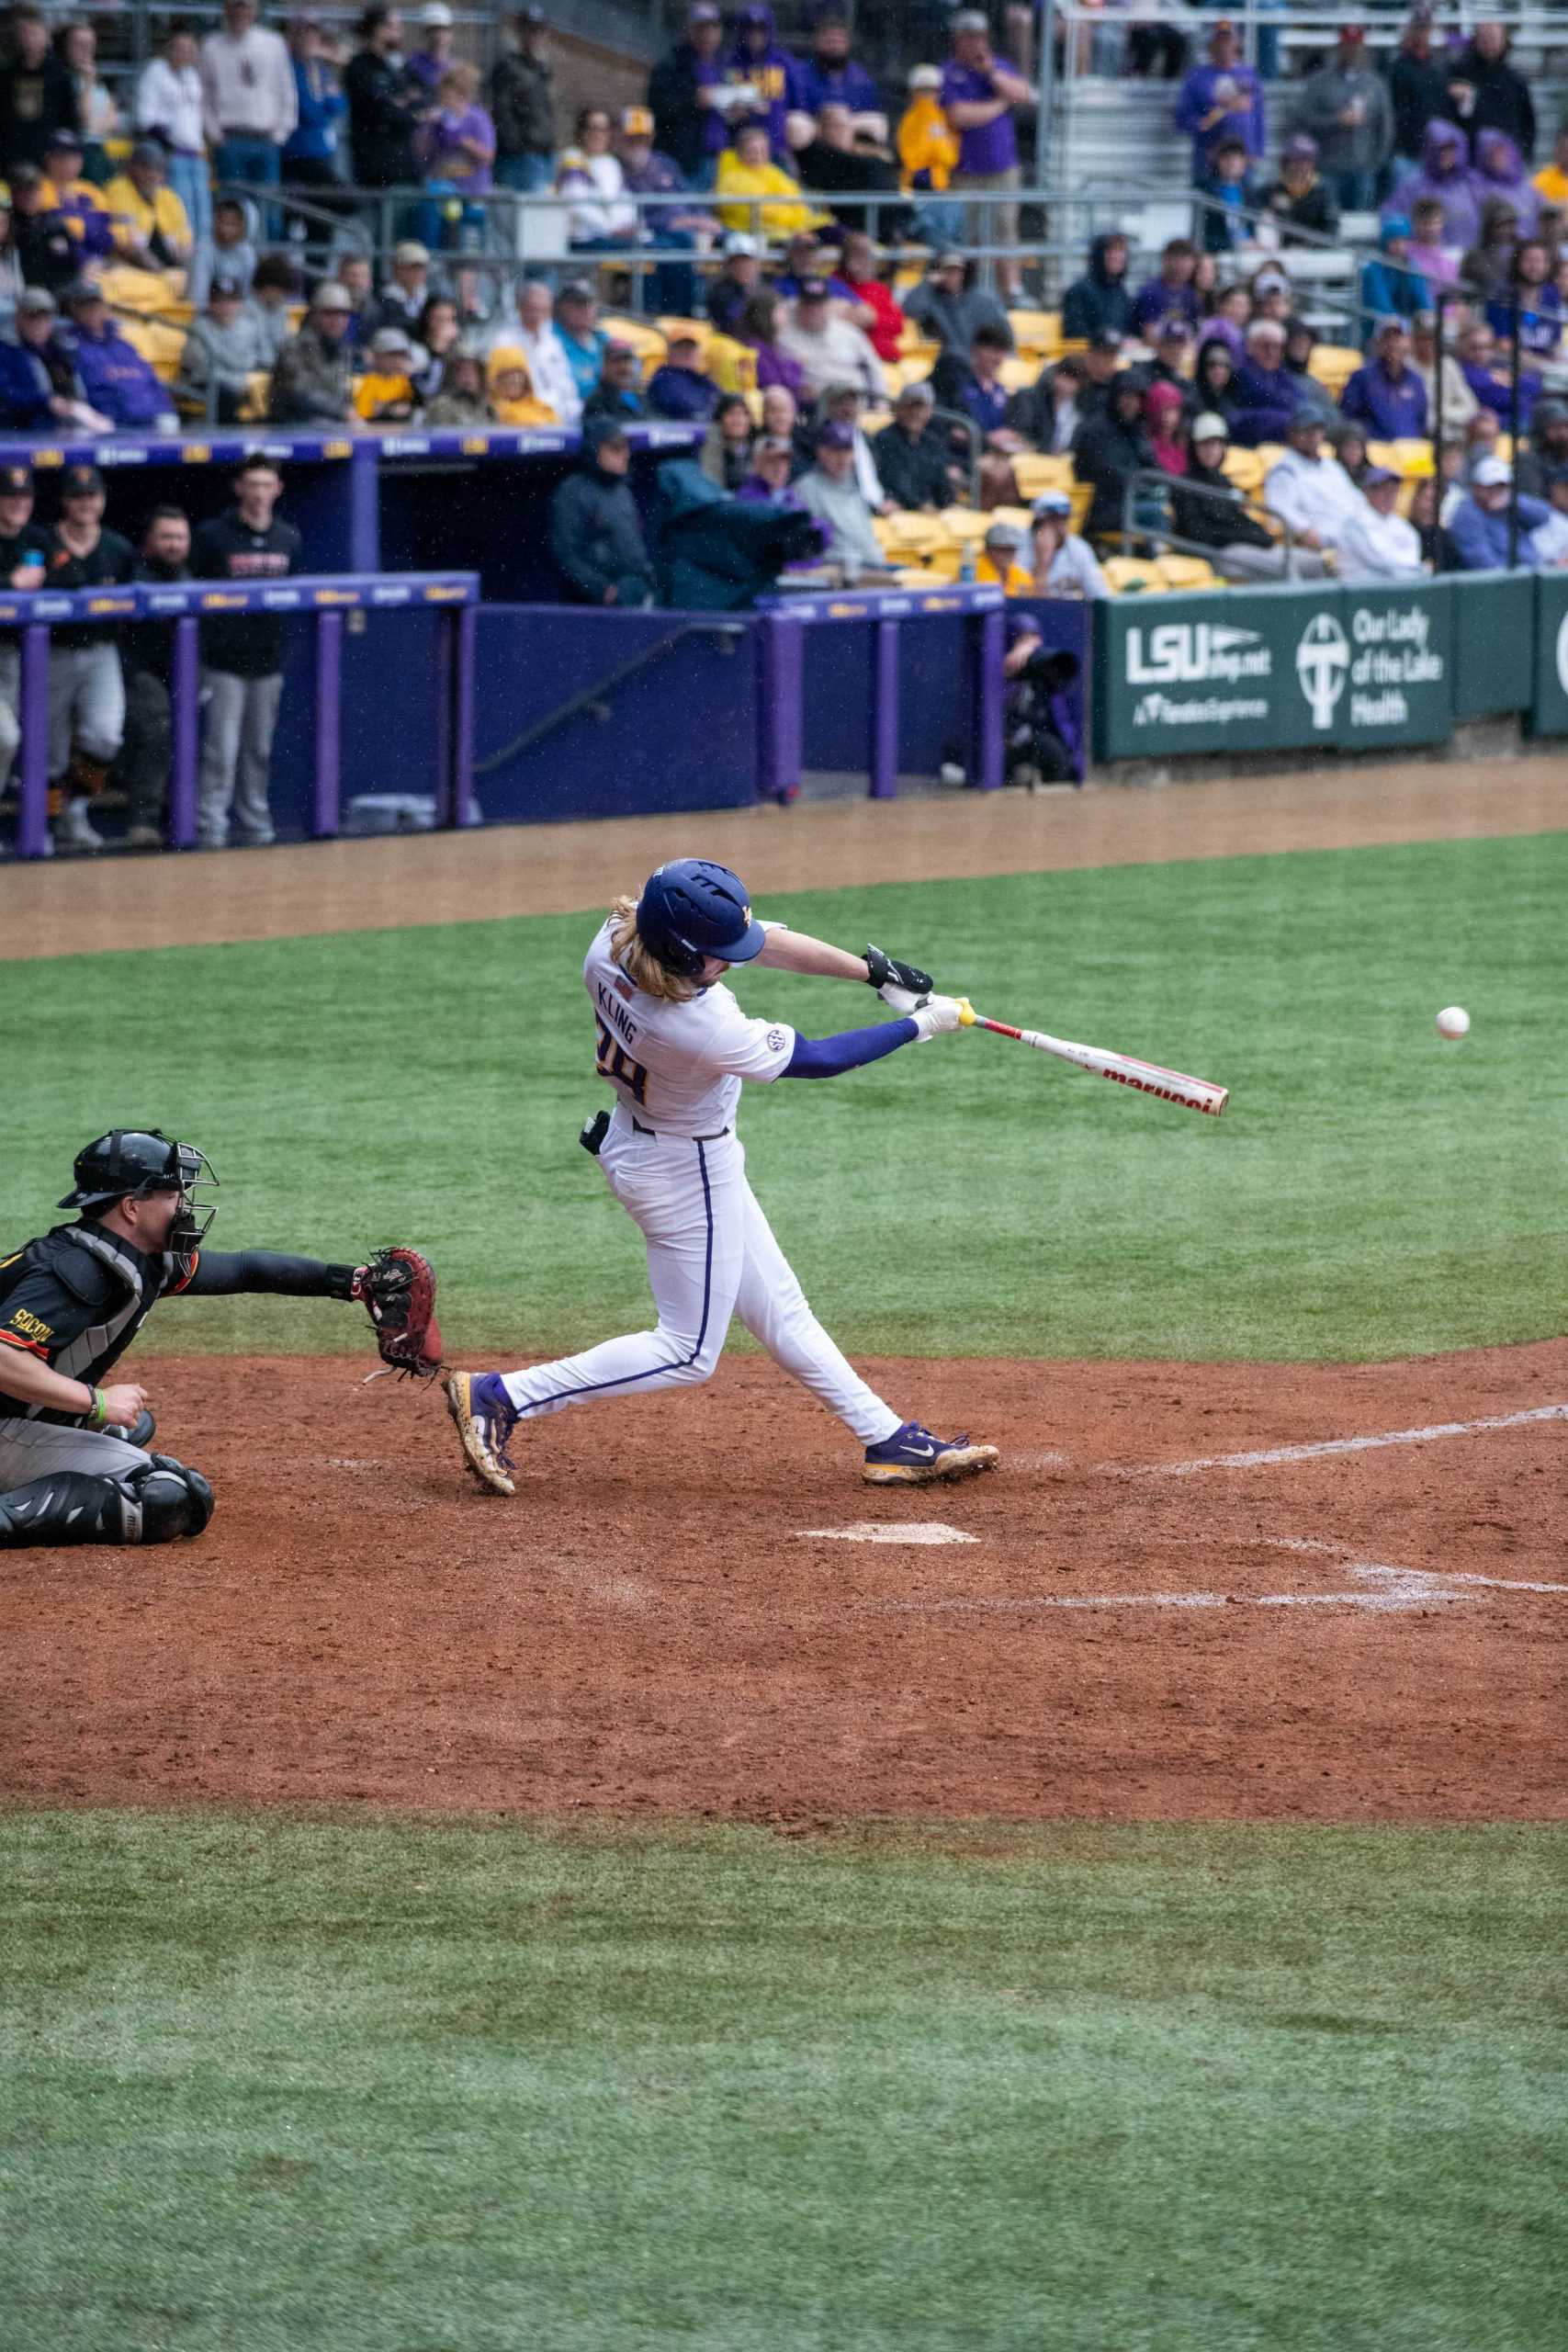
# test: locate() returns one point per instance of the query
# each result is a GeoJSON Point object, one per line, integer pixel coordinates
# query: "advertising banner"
{"type": "Point", "coordinates": [1274, 670]}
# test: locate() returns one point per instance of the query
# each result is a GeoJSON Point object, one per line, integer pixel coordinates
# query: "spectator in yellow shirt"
{"type": "Point", "coordinates": [747, 171]}
{"type": "Point", "coordinates": [87, 213]}
{"type": "Point", "coordinates": [927, 154]}
{"type": "Point", "coordinates": [1553, 181]}
{"type": "Point", "coordinates": [999, 565]}
{"type": "Point", "coordinates": [511, 390]}
{"type": "Point", "coordinates": [152, 227]}
{"type": "Point", "coordinates": [384, 394]}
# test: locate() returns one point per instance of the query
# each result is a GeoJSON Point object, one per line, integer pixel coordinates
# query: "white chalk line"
{"type": "Point", "coordinates": [1383, 1587]}
{"type": "Point", "coordinates": [1269, 1454]}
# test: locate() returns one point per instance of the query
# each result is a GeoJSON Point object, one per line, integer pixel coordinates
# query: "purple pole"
{"type": "Point", "coordinates": [186, 693]}
{"type": "Point", "coordinates": [990, 651]}
{"type": "Point", "coordinates": [463, 672]}
{"type": "Point", "coordinates": [885, 711]}
{"type": "Point", "coordinates": [363, 509]}
{"type": "Point", "coordinates": [324, 802]}
{"type": "Point", "coordinates": [448, 806]}
{"type": "Point", "coordinates": [781, 642]}
{"type": "Point", "coordinates": [32, 814]}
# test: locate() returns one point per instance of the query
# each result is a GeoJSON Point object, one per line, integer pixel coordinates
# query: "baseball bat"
{"type": "Point", "coordinates": [1149, 1078]}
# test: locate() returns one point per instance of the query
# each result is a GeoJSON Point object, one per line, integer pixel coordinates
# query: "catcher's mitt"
{"type": "Point", "coordinates": [398, 1288]}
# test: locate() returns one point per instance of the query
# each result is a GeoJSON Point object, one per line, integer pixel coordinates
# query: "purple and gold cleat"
{"type": "Point", "coordinates": [482, 1414]}
{"type": "Point", "coordinates": [913, 1457]}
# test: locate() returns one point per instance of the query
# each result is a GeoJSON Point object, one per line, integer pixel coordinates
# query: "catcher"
{"type": "Point", "coordinates": [74, 1466]}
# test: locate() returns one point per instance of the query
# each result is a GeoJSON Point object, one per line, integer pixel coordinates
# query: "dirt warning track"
{"type": "Point", "coordinates": [1192, 1591]}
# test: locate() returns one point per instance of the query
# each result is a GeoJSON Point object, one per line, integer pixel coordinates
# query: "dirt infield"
{"type": "Point", "coordinates": [557, 869]}
{"type": "Point", "coordinates": [662, 1622]}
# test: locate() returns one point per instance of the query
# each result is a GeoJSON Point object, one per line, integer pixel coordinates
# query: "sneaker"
{"type": "Point", "coordinates": [484, 1419]}
{"type": "Point", "coordinates": [75, 830]}
{"type": "Point", "coordinates": [143, 837]}
{"type": "Point", "coordinates": [913, 1457]}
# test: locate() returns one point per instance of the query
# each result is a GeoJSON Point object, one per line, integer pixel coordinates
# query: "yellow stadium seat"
{"type": "Point", "coordinates": [1412, 459]}
{"type": "Point", "coordinates": [1186, 572]}
{"type": "Point", "coordinates": [1130, 572]}
{"type": "Point", "coordinates": [1268, 454]}
{"type": "Point", "coordinates": [966, 523]}
{"type": "Point", "coordinates": [1034, 473]}
{"type": "Point", "coordinates": [699, 328]}
{"type": "Point", "coordinates": [1245, 468]}
{"type": "Point", "coordinates": [914, 345]}
{"type": "Point", "coordinates": [644, 339]}
{"type": "Point", "coordinates": [159, 344]}
{"type": "Point", "coordinates": [258, 394]}
{"type": "Point", "coordinates": [732, 365]}
{"type": "Point", "coordinates": [1038, 332]}
{"type": "Point", "coordinates": [1017, 375]}
{"type": "Point", "coordinates": [142, 290]}
{"type": "Point", "coordinates": [1333, 364]}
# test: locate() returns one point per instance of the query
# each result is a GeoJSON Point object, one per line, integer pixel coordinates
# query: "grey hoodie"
{"type": "Point", "coordinates": [226, 356]}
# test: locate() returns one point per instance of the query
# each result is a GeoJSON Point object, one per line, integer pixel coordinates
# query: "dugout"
{"type": "Point", "coordinates": [325, 496]}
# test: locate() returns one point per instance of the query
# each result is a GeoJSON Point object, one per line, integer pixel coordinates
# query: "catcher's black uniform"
{"type": "Point", "coordinates": [75, 1299]}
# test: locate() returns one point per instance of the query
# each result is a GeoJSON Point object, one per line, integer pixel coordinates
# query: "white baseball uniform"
{"type": "Point", "coordinates": [675, 1162]}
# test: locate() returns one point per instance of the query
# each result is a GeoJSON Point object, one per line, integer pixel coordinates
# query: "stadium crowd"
{"type": "Point", "coordinates": [822, 317]}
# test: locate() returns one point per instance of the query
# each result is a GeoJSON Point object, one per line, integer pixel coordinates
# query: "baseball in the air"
{"type": "Point", "coordinates": [1453, 1022]}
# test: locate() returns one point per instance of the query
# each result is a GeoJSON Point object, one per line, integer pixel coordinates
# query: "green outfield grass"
{"type": "Point", "coordinates": [468, 2087]}
{"type": "Point", "coordinates": [1372, 1191]}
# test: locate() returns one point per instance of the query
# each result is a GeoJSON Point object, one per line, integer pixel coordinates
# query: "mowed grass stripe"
{"type": "Point", "coordinates": [274, 2083]}
{"type": "Point", "coordinates": [1371, 1192]}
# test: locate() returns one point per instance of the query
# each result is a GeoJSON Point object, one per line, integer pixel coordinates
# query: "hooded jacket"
{"type": "Point", "coordinates": [1391, 289]}
{"type": "Point", "coordinates": [683, 393]}
{"type": "Point", "coordinates": [1208, 522]}
{"type": "Point", "coordinates": [596, 533]}
{"type": "Point", "coordinates": [1444, 176]}
{"type": "Point", "coordinates": [1312, 208]}
{"type": "Point", "coordinates": [29, 379]}
{"type": "Point", "coordinates": [1098, 303]}
{"type": "Point", "coordinates": [1499, 171]}
{"type": "Point", "coordinates": [767, 70]}
{"type": "Point", "coordinates": [690, 134]}
{"type": "Point", "coordinates": [1418, 92]}
{"type": "Point", "coordinates": [717, 552]}
{"type": "Point", "coordinates": [1107, 451]}
{"type": "Point", "coordinates": [1346, 147]}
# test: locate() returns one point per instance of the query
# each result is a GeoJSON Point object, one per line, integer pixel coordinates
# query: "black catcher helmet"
{"type": "Point", "coordinates": [132, 1163]}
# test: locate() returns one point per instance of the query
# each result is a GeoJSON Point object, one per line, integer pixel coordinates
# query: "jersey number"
{"type": "Point", "coordinates": [615, 1064]}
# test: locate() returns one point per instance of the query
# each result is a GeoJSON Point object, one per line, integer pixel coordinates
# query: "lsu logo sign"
{"type": "Point", "coordinates": [1195, 654]}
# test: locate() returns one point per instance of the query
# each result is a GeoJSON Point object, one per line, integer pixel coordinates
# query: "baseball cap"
{"type": "Point", "coordinates": [150, 151]}
{"type": "Point", "coordinates": [920, 394]}
{"type": "Point", "coordinates": [704, 13]}
{"type": "Point", "coordinates": [925, 77]}
{"type": "Point", "coordinates": [576, 289]}
{"type": "Point", "coordinates": [223, 284]}
{"type": "Point", "coordinates": [1491, 473]}
{"type": "Point", "coordinates": [436, 13]}
{"type": "Point", "coordinates": [836, 436]}
{"type": "Point", "coordinates": [389, 343]}
{"type": "Point", "coordinates": [1389, 326]}
{"type": "Point", "coordinates": [1305, 420]}
{"type": "Point", "coordinates": [1210, 427]}
{"type": "Point", "coordinates": [410, 250]}
{"type": "Point", "coordinates": [532, 17]}
{"type": "Point", "coordinates": [1551, 411]}
{"type": "Point", "coordinates": [330, 296]}
{"type": "Point", "coordinates": [81, 291]}
{"type": "Point", "coordinates": [774, 446]}
{"type": "Point", "coordinates": [37, 297]}
{"type": "Point", "coordinates": [1052, 502]}
{"type": "Point", "coordinates": [1301, 146]}
{"type": "Point", "coordinates": [1270, 282]}
{"type": "Point", "coordinates": [1265, 331]}
{"type": "Point", "coordinates": [1004, 535]}
{"type": "Point", "coordinates": [971, 20]}
{"type": "Point", "coordinates": [15, 481]}
{"type": "Point", "coordinates": [620, 351]}
{"type": "Point", "coordinates": [737, 242]}
{"type": "Point", "coordinates": [26, 176]}
{"type": "Point", "coordinates": [63, 142]}
{"type": "Point", "coordinates": [1106, 340]}
{"type": "Point", "coordinates": [812, 290]}
{"type": "Point", "coordinates": [1376, 476]}
{"type": "Point", "coordinates": [1173, 330]}
{"type": "Point", "coordinates": [80, 481]}
{"type": "Point", "coordinates": [1556, 480]}
{"type": "Point", "coordinates": [1352, 32]}
{"type": "Point", "coordinates": [636, 122]}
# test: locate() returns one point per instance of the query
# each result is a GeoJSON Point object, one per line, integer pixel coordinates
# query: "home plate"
{"type": "Point", "coordinates": [875, 1531]}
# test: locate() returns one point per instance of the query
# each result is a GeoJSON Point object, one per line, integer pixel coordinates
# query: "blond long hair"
{"type": "Point", "coordinates": [638, 962]}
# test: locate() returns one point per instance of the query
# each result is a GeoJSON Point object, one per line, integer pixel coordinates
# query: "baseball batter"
{"type": "Point", "coordinates": [675, 1046]}
{"type": "Point", "coordinates": [74, 1466]}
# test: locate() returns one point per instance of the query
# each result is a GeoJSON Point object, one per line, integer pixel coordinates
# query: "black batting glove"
{"type": "Point", "coordinates": [887, 971]}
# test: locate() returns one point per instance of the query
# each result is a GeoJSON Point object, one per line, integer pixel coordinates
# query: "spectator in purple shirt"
{"type": "Point", "coordinates": [1387, 396]}
{"type": "Point", "coordinates": [1490, 383]}
{"type": "Point", "coordinates": [979, 92]}
{"type": "Point", "coordinates": [1267, 393]}
{"type": "Point", "coordinates": [679, 388]}
{"type": "Point", "coordinates": [758, 328]}
{"type": "Point", "coordinates": [756, 58]}
{"type": "Point", "coordinates": [115, 378]}
{"type": "Point", "coordinates": [831, 77]}
{"type": "Point", "coordinates": [1171, 295]}
{"type": "Point", "coordinates": [456, 148]}
{"type": "Point", "coordinates": [1220, 100]}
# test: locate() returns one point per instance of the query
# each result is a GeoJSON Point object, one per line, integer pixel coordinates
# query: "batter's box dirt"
{"type": "Point", "coordinates": [1379, 1633]}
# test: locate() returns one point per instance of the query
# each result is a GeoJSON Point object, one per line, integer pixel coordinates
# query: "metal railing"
{"type": "Point", "coordinates": [1149, 484]}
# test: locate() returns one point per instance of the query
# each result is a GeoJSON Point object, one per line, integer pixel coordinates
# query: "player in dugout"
{"type": "Point", "coordinates": [74, 1465]}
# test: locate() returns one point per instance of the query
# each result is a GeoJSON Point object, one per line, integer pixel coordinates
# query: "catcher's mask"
{"type": "Point", "coordinates": [132, 1164]}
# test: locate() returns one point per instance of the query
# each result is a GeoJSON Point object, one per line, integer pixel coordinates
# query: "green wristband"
{"type": "Point", "coordinates": [98, 1413]}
